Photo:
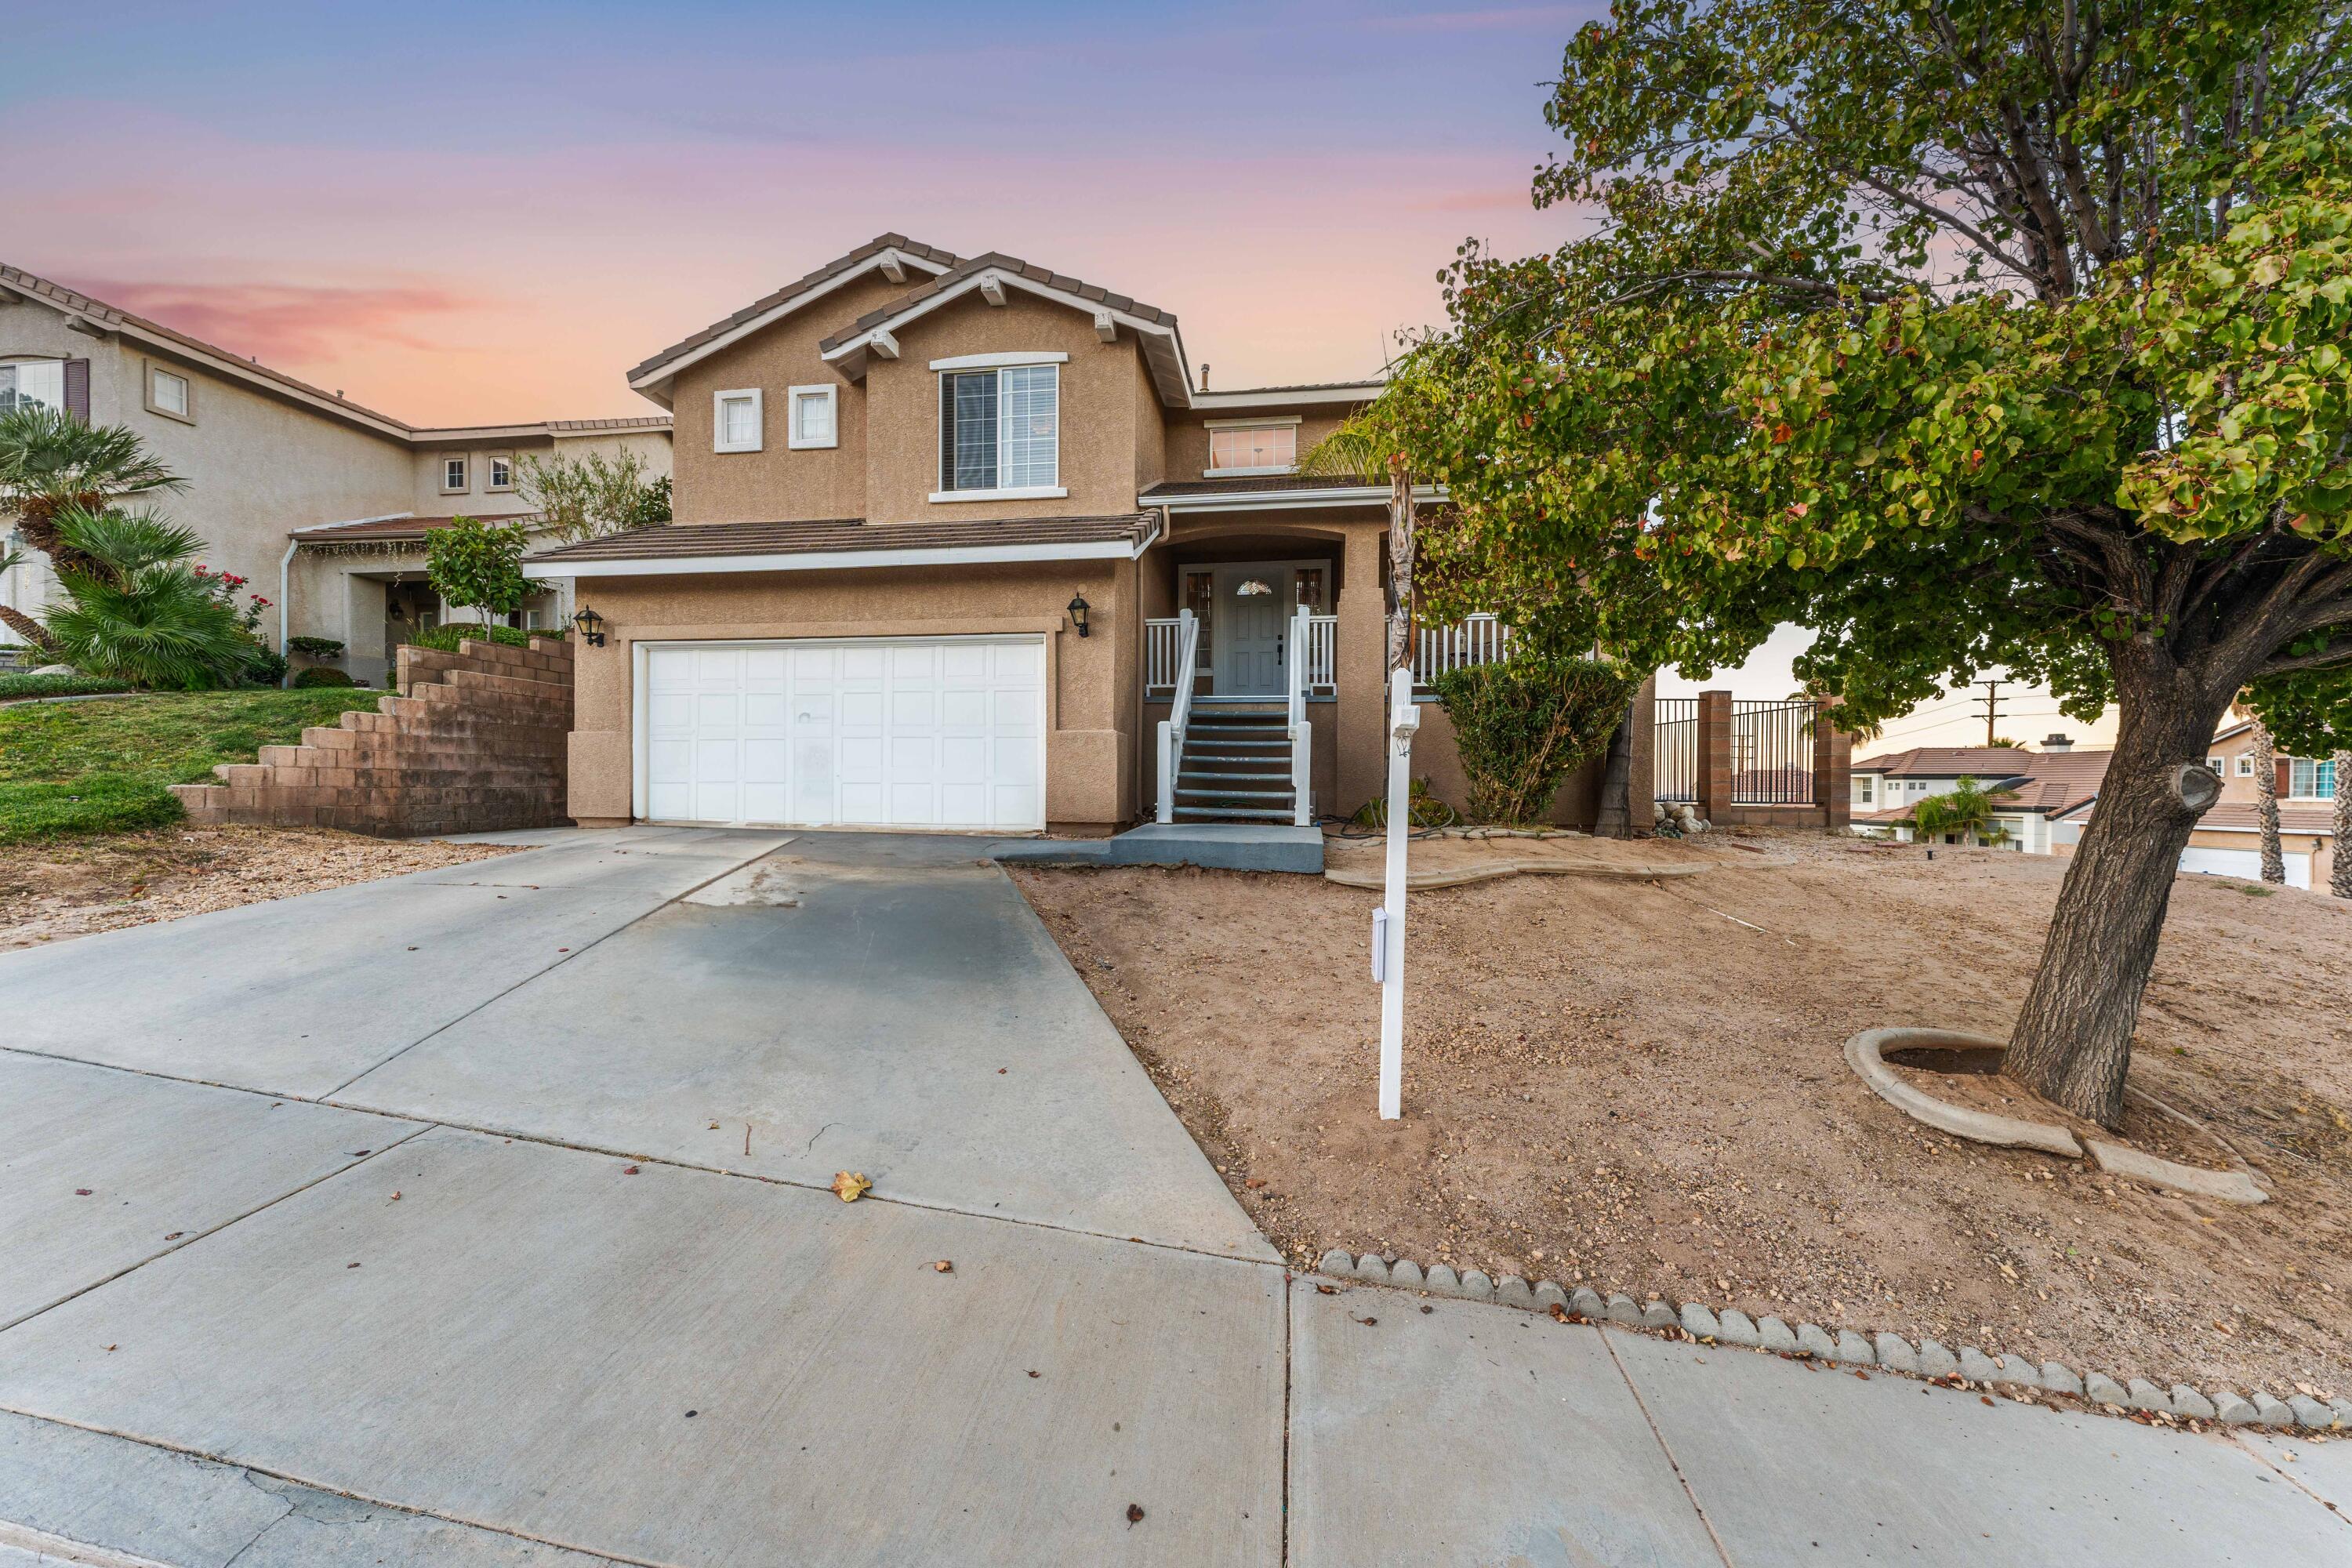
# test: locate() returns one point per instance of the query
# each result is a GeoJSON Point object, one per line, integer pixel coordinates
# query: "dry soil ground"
{"type": "Point", "coordinates": [74, 887]}
{"type": "Point", "coordinates": [1639, 1085]}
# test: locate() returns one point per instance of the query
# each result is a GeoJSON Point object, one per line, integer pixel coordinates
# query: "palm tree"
{"type": "Point", "coordinates": [135, 611]}
{"type": "Point", "coordinates": [2339, 880]}
{"type": "Point", "coordinates": [52, 461]}
{"type": "Point", "coordinates": [1364, 447]}
{"type": "Point", "coordinates": [1966, 809]}
{"type": "Point", "coordinates": [2266, 811]}
{"type": "Point", "coordinates": [11, 557]}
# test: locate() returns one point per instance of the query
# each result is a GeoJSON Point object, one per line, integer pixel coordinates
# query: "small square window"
{"type": "Point", "coordinates": [453, 474]}
{"type": "Point", "coordinates": [501, 471]}
{"type": "Point", "coordinates": [2246, 765]}
{"type": "Point", "coordinates": [167, 392]}
{"type": "Point", "coordinates": [814, 413]}
{"type": "Point", "coordinates": [735, 421]}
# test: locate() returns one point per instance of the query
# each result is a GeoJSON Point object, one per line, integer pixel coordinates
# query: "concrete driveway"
{"type": "Point", "coordinates": [390, 1225]}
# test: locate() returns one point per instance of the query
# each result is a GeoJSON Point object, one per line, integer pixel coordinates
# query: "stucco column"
{"type": "Point", "coordinates": [1642, 773]}
{"type": "Point", "coordinates": [1361, 657]}
{"type": "Point", "coordinates": [1715, 756]}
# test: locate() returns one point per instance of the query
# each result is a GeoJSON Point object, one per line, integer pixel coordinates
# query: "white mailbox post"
{"type": "Point", "coordinates": [1388, 921]}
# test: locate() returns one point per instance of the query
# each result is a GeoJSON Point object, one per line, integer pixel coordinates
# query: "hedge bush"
{"type": "Point", "coordinates": [322, 675]}
{"type": "Point", "coordinates": [447, 638]}
{"type": "Point", "coordinates": [1522, 724]}
{"type": "Point", "coordinates": [14, 686]}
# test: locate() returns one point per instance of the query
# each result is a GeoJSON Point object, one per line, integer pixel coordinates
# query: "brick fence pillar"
{"type": "Point", "coordinates": [1714, 758]}
{"type": "Point", "coordinates": [1832, 770]}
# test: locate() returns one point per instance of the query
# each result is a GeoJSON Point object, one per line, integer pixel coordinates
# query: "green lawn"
{"type": "Point", "coordinates": [73, 768]}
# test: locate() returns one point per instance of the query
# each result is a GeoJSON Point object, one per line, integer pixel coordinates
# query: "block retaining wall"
{"type": "Point", "coordinates": [474, 741]}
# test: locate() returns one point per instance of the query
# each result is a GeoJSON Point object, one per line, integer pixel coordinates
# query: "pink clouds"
{"type": "Point", "coordinates": [289, 323]}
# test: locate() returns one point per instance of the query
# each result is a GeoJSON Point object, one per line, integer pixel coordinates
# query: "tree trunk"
{"type": "Point", "coordinates": [1615, 818]}
{"type": "Point", "coordinates": [2072, 1042]}
{"type": "Point", "coordinates": [1400, 567]}
{"type": "Point", "coordinates": [2266, 799]}
{"type": "Point", "coordinates": [35, 635]}
{"type": "Point", "coordinates": [2339, 879]}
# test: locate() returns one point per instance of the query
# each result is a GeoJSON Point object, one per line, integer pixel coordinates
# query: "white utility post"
{"type": "Point", "coordinates": [1388, 921]}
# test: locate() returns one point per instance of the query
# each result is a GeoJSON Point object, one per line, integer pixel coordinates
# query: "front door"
{"type": "Point", "coordinates": [1251, 606]}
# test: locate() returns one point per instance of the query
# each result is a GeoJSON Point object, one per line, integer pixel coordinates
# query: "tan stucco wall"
{"type": "Point", "coordinates": [1098, 411]}
{"type": "Point", "coordinates": [1188, 436]}
{"type": "Point", "coordinates": [776, 484]}
{"type": "Point", "coordinates": [1091, 697]}
{"type": "Point", "coordinates": [477, 500]}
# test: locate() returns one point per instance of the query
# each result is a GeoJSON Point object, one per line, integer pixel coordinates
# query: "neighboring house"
{"type": "Point", "coordinates": [943, 526]}
{"type": "Point", "coordinates": [272, 464]}
{"type": "Point", "coordinates": [2032, 791]}
{"type": "Point", "coordinates": [2227, 841]}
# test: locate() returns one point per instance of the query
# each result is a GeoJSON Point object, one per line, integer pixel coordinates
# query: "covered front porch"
{"type": "Point", "coordinates": [1263, 664]}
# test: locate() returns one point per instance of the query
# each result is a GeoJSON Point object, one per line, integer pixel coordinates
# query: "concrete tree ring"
{"type": "Point", "coordinates": [1865, 1053]}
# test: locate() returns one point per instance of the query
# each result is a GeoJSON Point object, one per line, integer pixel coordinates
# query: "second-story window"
{"type": "Point", "coordinates": [501, 471]}
{"type": "Point", "coordinates": [735, 421]}
{"type": "Point", "coordinates": [813, 408]}
{"type": "Point", "coordinates": [1253, 448]}
{"type": "Point", "coordinates": [1001, 429]}
{"type": "Point", "coordinates": [453, 473]}
{"type": "Point", "coordinates": [2308, 778]}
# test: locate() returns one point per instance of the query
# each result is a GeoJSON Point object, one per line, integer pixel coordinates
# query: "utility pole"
{"type": "Point", "coordinates": [1992, 707]}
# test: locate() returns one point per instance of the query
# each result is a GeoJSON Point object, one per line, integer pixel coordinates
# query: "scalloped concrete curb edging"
{"type": "Point", "coordinates": [1865, 1053]}
{"type": "Point", "coordinates": [1460, 876]}
{"type": "Point", "coordinates": [1847, 1347]}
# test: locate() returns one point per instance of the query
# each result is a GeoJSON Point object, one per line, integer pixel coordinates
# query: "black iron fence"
{"type": "Point", "coordinates": [1677, 748]}
{"type": "Point", "coordinates": [1771, 753]}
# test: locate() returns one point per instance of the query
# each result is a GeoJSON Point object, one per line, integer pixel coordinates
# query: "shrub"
{"type": "Point", "coordinates": [1522, 724]}
{"type": "Point", "coordinates": [13, 687]}
{"type": "Point", "coordinates": [478, 564]}
{"type": "Point", "coordinates": [447, 638]}
{"type": "Point", "coordinates": [135, 611]}
{"type": "Point", "coordinates": [264, 666]}
{"type": "Point", "coordinates": [315, 647]}
{"type": "Point", "coordinates": [322, 675]}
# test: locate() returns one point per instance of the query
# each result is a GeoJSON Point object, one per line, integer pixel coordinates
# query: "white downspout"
{"type": "Point", "coordinates": [285, 607]}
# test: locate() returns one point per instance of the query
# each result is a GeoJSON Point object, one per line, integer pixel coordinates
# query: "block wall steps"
{"type": "Point", "coordinates": [475, 741]}
{"type": "Point", "coordinates": [1235, 768]}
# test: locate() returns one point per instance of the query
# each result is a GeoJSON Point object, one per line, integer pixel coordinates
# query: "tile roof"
{"type": "Point", "coordinates": [389, 528]}
{"type": "Point", "coordinates": [1249, 484]}
{"type": "Point", "coordinates": [724, 539]}
{"type": "Point", "coordinates": [996, 260]}
{"type": "Point", "coordinates": [799, 286]}
{"type": "Point", "coordinates": [2047, 783]}
{"type": "Point", "coordinates": [2244, 817]}
{"type": "Point", "coordinates": [1951, 762]}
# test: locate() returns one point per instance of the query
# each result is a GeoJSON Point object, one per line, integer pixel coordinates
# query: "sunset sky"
{"type": "Point", "coordinates": [461, 214]}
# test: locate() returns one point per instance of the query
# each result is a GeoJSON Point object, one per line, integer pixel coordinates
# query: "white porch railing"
{"type": "Point", "coordinates": [1159, 647]}
{"type": "Point", "coordinates": [1322, 653]}
{"type": "Point", "coordinates": [1180, 712]}
{"type": "Point", "coordinates": [1470, 641]}
{"type": "Point", "coordinates": [1297, 664]}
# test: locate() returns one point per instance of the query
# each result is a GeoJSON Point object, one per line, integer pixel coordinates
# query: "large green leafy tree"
{"type": "Point", "coordinates": [478, 565]}
{"type": "Point", "coordinates": [1966, 335]}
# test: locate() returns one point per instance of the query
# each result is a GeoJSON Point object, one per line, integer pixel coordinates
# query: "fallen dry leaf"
{"type": "Point", "coordinates": [944, 1266]}
{"type": "Point", "coordinates": [1134, 1514]}
{"type": "Point", "coordinates": [629, 1169]}
{"type": "Point", "coordinates": [849, 1187]}
{"type": "Point", "coordinates": [1327, 1289]}
{"type": "Point", "coordinates": [1254, 1182]}
{"type": "Point", "coordinates": [175, 1235]}
{"type": "Point", "coordinates": [81, 1192]}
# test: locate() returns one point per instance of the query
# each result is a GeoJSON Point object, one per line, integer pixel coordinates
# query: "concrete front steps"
{"type": "Point", "coordinates": [1237, 764]}
{"type": "Point", "coordinates": [475, 741]}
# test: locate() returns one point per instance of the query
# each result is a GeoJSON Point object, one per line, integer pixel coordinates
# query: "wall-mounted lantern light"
{"type": "Point", "coordinates": [590, 626]}
{"type": "Point", "coordinates": [1078, 608]}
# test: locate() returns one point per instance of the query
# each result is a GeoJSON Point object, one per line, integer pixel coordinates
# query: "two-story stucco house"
{"type": "Point", "coordinates": [322, 505]}
{"type": "Point", "coordinates": [961, 541]}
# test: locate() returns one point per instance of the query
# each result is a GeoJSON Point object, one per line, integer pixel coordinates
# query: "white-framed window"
{"type": "Point", "coordinates": [2310, 778]}
{"type": "Point", "coordinates": [2245, 765]}
{"type": "Point", "coordinates": [169, 394]}
{"type": "Point", "coordinates": [1000, 430]}
{"type": "Point", "coordinates": [30, 381]}
{"type": "Point", "coordinates": [1865, 789]}
{"type": "Point", "coordinates": [1252, 447]}
{"type": "Point", "coordinates": [735, 420]}
{"type": "Point", "coordinates": [2218, 766]}
{"type": "Point", "coordinates": [814, 420]}
{"type": "Point", "coordinates": [452, 475]}
{"type": "Point", "coordinates": [501, 466]}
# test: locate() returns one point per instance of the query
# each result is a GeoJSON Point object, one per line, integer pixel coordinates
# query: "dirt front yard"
{"type": "Point", "coordinates": [1638, 1086]}
{"type": "Point", "coordinates": [68, 887]}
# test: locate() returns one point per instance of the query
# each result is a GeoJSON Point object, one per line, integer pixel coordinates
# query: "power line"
{"type": "Point", "coordinates": [1992, 707]}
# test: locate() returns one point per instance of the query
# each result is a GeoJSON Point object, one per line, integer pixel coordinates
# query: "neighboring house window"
{"type": "Point", "coordinates": [1253, 448]}
{"type": "Point", "coordinates": [2308, 779]}
{"type": "Point", "coordinates": [2215, 764]}
{"type": "Point", "coordinates": [168, 394]}
{"type": "Point", "coordinates": [453, 474]}
{"type": "Point", "coordinates": [501, 471]}
{"type": "Point", "coordinates": [813, 411]}
{"type": "Point", "coordinates": [2245, 765]}
{"type": "Point", "coordinates": [1001, 430]}
{"type": "Point", "coordinates": [30, 381]}
{"type": "Point", "coordinates": [1865, 789]}
{"type": "Point", "coordinates": [735, 421]}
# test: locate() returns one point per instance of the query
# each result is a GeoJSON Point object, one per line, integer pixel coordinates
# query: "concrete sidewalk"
{"type": "Point", "coordinates": [509, 1299]}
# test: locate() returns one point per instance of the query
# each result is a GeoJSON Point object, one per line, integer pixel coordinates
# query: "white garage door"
{"type": "Point", "coordinates": [864, 733]}
{"type": "Point", "coordinates": [2246, 863]}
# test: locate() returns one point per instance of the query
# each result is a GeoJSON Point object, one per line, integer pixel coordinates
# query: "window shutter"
{"type": "Point", "coordinates": [2286, 766]}
{"type": "Point", "coordinates": [78, 389]}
